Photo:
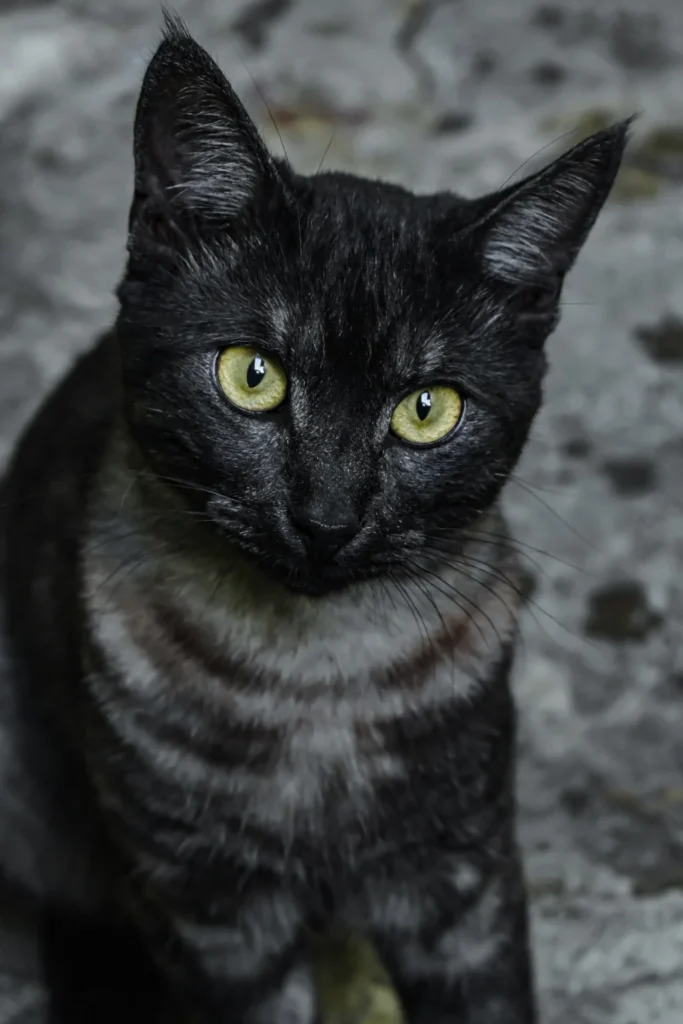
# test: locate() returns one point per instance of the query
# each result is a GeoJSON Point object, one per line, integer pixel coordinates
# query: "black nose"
{"type": "Point", "coordinates": [325, 536]}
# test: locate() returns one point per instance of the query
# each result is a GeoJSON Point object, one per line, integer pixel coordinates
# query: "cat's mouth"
{"type": "Point", "coordinates": [316, 586]}
{"type": "Point", "coordinates": [317, 578]}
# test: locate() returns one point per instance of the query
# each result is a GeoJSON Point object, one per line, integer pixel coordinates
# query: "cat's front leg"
{"type": "Point", "coordinates": [245, 962]}
{"type": "Point", "coordinates": [24, 994]}
{"type": "Point", "coordinates": [465, 958]}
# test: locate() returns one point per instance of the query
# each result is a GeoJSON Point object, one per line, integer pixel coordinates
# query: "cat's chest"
{"type": "Point", "coordinates": [291, 762]}
{"type": "Point", "coordinates": [285, 717]}
{"type": "Point", "coordinates": [324, 772]}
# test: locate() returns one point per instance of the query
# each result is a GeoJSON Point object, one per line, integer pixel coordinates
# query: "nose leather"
{"type": "Point", "coordinates": [325, 536]}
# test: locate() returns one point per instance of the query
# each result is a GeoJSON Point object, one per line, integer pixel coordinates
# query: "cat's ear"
{"type": "Point", "coordinates": [531, 237]}
{"type": "Point", "coordinates": [196, 150]}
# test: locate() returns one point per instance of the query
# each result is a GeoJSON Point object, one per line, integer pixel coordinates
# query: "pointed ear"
{"type": "Point", "coordinates": [532, 236]}
{"type": "Point", "coordinates": [196, 150]}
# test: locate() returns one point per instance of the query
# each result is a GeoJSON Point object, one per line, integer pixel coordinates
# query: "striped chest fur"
{"type": "Point", "coordinates": [268, 712]}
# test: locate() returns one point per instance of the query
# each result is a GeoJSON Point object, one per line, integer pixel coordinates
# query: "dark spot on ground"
{"type": "Point", "coordinates": [577, 447]}
{"type": "Point", "coordinates": [663, 342]}
{"type": "Point", "coordinates": [627, 830]}
{"type": "Point", "coordinates": [548, 16]}
{"type": "Point", "coordinates": [636, 42]}
{"type": "Point", "coordinates": [548, 72]}
{"type": "Point", "coordinates": [575, 800]}
{"type": "Point", "coordinates": [620, 612]}
{"type": "Point", "coordinates": [452, 121]}
{"type": "Point", "coordinates": [579, 26]}
{"type": "Point", "coordinates": [658, 880]}
{"type": "Point", "coordinates": [630, 477]}
{"type": "Point", "coordinates": [540, 889]}
{"type": "Point", "coordinates": [253, 24]}
{"type": "Point", "coordinates": [415, 21]}
{"type": "Point", "coordinates": [485, 63]}
{"type": "Point", "coordinates": [528, 582]}
{"type": "Point", "coordinates": [661, 152]}
{"type": "Point", "coordinates": [329, 27]}
{"type": "Point", "coordinates": [670, 688]}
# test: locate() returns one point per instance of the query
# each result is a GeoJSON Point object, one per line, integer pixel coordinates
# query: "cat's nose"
{"type": "Point", "coordinates": [324, 534]}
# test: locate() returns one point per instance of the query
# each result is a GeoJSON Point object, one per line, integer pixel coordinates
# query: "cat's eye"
{"type": "Point", "coordinates": [250, 379]}
{"type": "Point", "coordinates": [428, 415]}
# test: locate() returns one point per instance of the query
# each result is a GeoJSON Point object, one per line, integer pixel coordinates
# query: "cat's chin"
{"type": "Point", "coordinates": [316, 583]}
{"type": "Point", "coordinates": [316, 587]}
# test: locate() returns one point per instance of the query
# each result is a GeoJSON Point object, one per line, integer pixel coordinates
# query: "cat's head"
{"type": "Point", "coordinates": [337, 374]}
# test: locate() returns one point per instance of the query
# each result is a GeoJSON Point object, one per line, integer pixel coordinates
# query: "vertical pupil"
{"type": "Point", "coordinates": [424, 405]}
{"type": "Point", "coordinates": [256, 371]}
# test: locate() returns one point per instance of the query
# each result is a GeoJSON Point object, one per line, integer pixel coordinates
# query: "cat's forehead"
{"type": "Point", "coordinates": [370, 221]}
{"type": "Point", "coordinates": [352, 283]}
{"type": "Point", "coordinates": [369, 292]}
{"type": "Point", "coordinates": [348, 349]}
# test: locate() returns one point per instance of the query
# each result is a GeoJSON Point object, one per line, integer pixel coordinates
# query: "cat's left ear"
{"type": "Point", "coordinates": [197, 152]}
{"type": "Point", "coordinates": [532, 235]}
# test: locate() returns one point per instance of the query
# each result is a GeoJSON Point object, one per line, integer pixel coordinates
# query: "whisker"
{"type": "Point", "coordinates": [265, 103]}
{"type": "Point", "coordinates": [327, 149]}
{"type": "Point", "coordinates": [494, 571]}
{"type": "Point", "coordinates": [530, 604]}
{"type": "Point", "coordinates": [553, 142]}
{"type": "Point", "coordinates": [410, 604]}
{"type": "Point", "coordinates": [220, 576]}
{"type": "Point", "coordinates": [556, 515]}
{"type": "Point", "coordinates": [183, 484]}
{"type": "Point", "coordinates": [387, 592]}
{"type": "Point", "coordinates": [423, 587]}
{"type": "Point", "coordinates": [520, 547]}
{"type": "Point", "coordinates": [451, 589]}
{"type": "Point", "coordinates": [537, 487]}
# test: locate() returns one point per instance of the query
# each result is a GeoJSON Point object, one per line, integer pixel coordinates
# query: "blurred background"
{"type": "Point", "coordinates": [450, 94]}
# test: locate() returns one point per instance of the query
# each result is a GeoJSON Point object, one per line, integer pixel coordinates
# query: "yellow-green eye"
{"type": "Point", "coordinates": [251, 380]}
{"type": "Point", "coordinates": [427, 415]}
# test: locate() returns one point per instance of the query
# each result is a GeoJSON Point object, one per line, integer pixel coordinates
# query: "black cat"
{"type": "Point", "coordinates": [259, 604]}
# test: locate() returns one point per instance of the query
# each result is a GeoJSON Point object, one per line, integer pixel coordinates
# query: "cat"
{"type": "Point", "coordinates": [259, 602]}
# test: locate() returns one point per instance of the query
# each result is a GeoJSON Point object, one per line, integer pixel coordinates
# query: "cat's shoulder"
{"type": "Point", "coordinates": [72, 421]}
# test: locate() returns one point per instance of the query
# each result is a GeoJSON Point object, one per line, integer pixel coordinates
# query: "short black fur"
{"type": "Point", "coordinates": [216, 736]}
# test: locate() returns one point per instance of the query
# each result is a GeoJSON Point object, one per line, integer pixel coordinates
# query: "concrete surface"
{"type": "Point", "coordinates": [457, 94]}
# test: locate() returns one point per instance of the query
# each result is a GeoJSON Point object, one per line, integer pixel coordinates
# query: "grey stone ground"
{"type": "Point", "coordinates": [454, 94]}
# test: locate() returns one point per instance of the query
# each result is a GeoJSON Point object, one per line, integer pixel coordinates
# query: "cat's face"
{"type": "Point", "coordinates": [338, 375]}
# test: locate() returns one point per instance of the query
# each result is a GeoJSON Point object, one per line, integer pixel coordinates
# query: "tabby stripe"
{"type": "Point", "coordinates": [174, 731]}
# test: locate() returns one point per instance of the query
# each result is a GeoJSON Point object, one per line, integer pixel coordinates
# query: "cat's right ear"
{"type": "Point", "coordinates": [198, 156]}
